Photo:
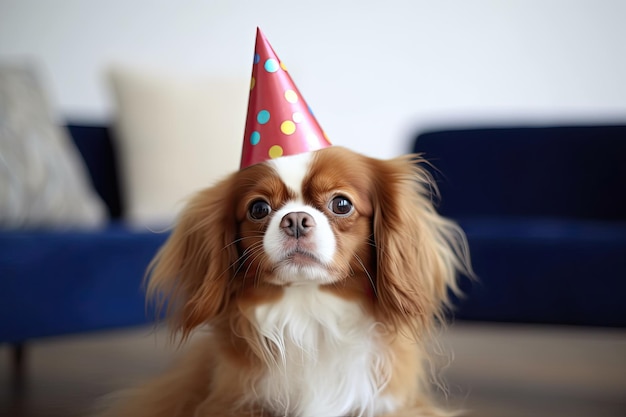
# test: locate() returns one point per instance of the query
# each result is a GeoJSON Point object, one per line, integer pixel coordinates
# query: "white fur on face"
{"type": "Point", "coordinates": [292, 170]}
{"type": "Point", "coordinates": [315, 252]}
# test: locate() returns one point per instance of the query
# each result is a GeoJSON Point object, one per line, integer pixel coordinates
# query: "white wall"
{"type": "Point", "coordinates": [374, 71]}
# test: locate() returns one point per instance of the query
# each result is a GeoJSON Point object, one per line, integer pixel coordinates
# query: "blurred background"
{"type": "Point", "coordinates": [155, 94]}
{"type": "Point", "coordinates": [374, 72]}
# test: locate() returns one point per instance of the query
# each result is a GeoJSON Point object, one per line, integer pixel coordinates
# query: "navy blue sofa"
{"type": "Point", "coordinates": [544, 210]}
{"type": "Point", "coordinates": [62, 282]}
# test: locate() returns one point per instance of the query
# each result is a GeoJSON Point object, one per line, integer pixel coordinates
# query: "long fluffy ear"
{"type": "Point", "coordinates": [419, 253]}
{"type": "Point", "coordinates": [192, 270]}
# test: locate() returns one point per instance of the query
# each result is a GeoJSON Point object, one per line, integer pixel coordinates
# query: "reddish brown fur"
{"type": "Point", "coordinates": [396, 256]}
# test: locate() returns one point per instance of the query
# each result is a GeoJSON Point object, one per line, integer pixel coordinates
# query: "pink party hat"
{"type": "Point", "coordinates": [279, 121]}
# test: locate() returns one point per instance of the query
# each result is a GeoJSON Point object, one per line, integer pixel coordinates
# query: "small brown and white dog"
{"type": "Point", "coordinates": [320, 278]}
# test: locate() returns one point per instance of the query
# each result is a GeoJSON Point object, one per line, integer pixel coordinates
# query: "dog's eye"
{"type": "Point", "coordinates": [259, 210]}
{"type": "Point", "coordinates": [341, 206]}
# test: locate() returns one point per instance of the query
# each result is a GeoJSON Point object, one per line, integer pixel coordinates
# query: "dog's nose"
{"type": "Point", "coordinates": [297, 223]}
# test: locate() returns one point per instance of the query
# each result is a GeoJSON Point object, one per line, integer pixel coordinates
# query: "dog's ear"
{"type": "Point", "coordinates": [418, 252]}
{"type": "Point", "coordinates": [191, 272]}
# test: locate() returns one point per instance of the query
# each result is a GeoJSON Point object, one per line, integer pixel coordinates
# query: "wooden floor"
{"type": "Point", "coordinates": [497, 371]}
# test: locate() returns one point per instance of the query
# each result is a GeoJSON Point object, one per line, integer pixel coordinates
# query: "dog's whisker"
{"type": "Point", "coordinates": [369, 276]}
{"type": "Point", "coordinates": [241, 260]}
{"type": "Point", "coordinates": [241, 239]}
{"type": "Point", "coordinates": [257, 274]}
{"type": "Point", "coordinates": [253, 252]}
{"type": "Point", "coordinates": [258, 254]}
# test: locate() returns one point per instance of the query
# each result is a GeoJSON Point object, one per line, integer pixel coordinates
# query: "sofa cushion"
{"type": "Point", "coordinates": [546, 271]}
{"type": "Point", "coordinates": [65, 282]}
{"type": "Point", "coordinates": [43, 180]}
{"type": "Point", "coordinates": [175, 135]}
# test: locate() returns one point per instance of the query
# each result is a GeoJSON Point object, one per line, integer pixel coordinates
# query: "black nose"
{"type": "Point", "coordinates": [297, 224]}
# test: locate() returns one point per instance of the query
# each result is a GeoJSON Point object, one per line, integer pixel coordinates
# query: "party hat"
{"type": "Point", "coordinates": [279, 122]}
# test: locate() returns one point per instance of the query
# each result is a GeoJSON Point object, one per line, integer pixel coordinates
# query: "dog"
{"type": "Point", "coordinates": [320, 279]}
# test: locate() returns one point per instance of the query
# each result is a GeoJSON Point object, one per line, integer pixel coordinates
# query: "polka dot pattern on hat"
{"type": "Point", "coordinates": [288, 127]}
{"type": "Point", "coordinates": [279, 121]}
{"type": "Point", "coordinates": [263, 117]}
{"type": "Point", "coordinates": [297, 117]}
{"type": "Point", "coordinates": [271, 65]}
{"type": "Point", "coordinates": [275, 151]}
{"type": "Point", "coordinates": [291, 96]}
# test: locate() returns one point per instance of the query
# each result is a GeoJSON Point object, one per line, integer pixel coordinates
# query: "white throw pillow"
{"type": "Point", "coordinates": [175, 136]}
{"type": "Point", "coordinates": [44, 182]}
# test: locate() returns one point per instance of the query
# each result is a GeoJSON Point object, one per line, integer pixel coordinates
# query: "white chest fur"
{"type": "Point", "coordinates": [327, 357]}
